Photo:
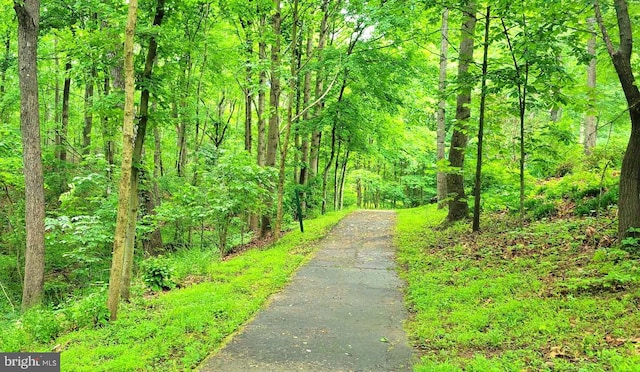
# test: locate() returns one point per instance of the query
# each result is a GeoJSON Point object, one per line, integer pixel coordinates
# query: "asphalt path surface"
{"type": "Point", "coordinates": [343, 311]}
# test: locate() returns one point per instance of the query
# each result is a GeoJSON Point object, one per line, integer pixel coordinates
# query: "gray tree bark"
{"type": "Point", "coordinates": [590, 134]}
{"type": "Point", "coordinates": [273, 131]}
{"type": "Point", "coordinates": [458, 206]}
{"type": "Point", "coordinates": [28, 14]}
{"type": "Point", "coordinates": [629, 201]}
{"type": "Point", "coordinates": [128, 137]}
{"type": "Point", "coordinates": [441, 177]}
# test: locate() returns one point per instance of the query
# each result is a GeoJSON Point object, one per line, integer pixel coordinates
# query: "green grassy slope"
{"type": "Point", "coordinates": [173, 330]}
{"type": "Point", "coordinates": [554, 296]}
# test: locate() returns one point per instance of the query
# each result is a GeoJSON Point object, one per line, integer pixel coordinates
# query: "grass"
{"type": "Point", "coordinates": [174, 330]}
{"type": "Point", "coordinates": [553, 296]}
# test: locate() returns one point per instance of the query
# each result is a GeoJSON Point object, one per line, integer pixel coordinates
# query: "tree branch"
{"type": "Point", "coordinates": [301, 113]}
{"type": "Point", "coordinates": [603, 29]}
{"type": "Point", "coordinates": [624, 27]}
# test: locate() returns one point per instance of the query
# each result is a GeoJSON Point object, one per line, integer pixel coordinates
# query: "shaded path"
{"type": "Point", "coordinates": [343, 311]}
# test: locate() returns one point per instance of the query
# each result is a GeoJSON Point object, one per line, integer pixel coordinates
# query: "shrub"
{"type": "Point", "coordinates": [41, 323]}
{"type": "Point", "coordinates": [88, 312]}
{"type": "Point", "coordinates": [631, 244]}
{"type": "Point", "coordinates": [156, 274]}
{"type": "Point", "coordinates": [591, 205]}
{"type": "Point", "coordinates": [540, 208]}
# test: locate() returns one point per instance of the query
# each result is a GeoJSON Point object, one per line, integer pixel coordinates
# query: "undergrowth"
{"type": "Point", "coordinates": [556, 295]}
{"type": "Point", "coordinates": [166, 329]}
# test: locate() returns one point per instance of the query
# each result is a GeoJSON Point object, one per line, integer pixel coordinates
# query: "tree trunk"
{"type": "Point", "coordinates": [28, 14]}
{"type": "Point", "coordinates": [181, 163]}
{"type": "Point", "coordinates": [273, 134]}
{"type": "Point", "coordinates": [343, 178]}
{"type": "Point", "coordinates": [629, 201]}
{"type": "Point", "coordinates": [590, 132]}
{"type": "Point", "coordinates": [314, 155]}
{"type": "Point", "coordinates": [359, 193]}
{"type": "Point", "coordinates": [158, 167]}
{"type": "Point", "coordinates": [483, 99]}
{"type": "Point", "coordinates": [325, 172]}
{"type": "Point", "coordinates": [522, 84]}
{"type": "Point", "coordinates": [61, 138]}
{"type": "Point", "coordinates": [6, 59]}
{"type": "Point", "coordinates": [262, 82]}
{"type": "Point", "coordinates": [137, 156]}
{"type": "Point", "coordinates": [261, 150]}
{"type": "Point", "coordinates": [200, 133]}
{"type": "Point", "coordinates": [56, 96]}
{"type": "Point", "coordinates": [555, 113]}
{"type": "Point", "coordinates": [316, 135]}
{"type": "Point", "coordinates": [336, 181]}
{"type": "Point", "coordinates": [151, 194]}
{"type": "Point", "coordinates": [88, 113]}
{"type": "Point", "coordinates": [458, 207]}
{"type": "Point", "coordinates": [441, 178]}
{"type": "Point", "coordinates": [306, 100]}
{"type": "Point", "coordinates": [109, 126]}
{"type": "Point", "coordinates": [293, 98]}
{"type": "Point", "coordinates": [247, 24]}
{"type": "Point", "coordinates": [107, 141]}
{"type": "Point", "coordinates": [115, 277]}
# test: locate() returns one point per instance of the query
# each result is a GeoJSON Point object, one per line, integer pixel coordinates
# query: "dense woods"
{"type": "Point", "coordinates": [181, 126]}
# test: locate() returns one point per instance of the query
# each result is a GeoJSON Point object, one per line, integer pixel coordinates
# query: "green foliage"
{"type": "Point", "coordinates": [587, 206]}
{"type": "Point", "coordinates": [381, 98]}
{"type": "Point", "coordinates": [587, 192]}
{"type": "Point", "coordinates": [540, 208]}
{"type": "Point", "coordinates": [186, 323]}
{"type": "Point", "coordinates": [42, 324]}
{"type": "Point", "coordinates": [87, 312]}
{"type": "Point", "coordinates": [157, 274]}
{"type": "Point", "coordinates": [79, 236]}
{"type": "Point", "coordinates": [617, 271]}
{"type": "Point", "coordinates": [232, 187]}
{"type": "Point", "coordinates": [10, 283]}
{"type": "Point", "coordinates": [631, 244]}
{"type": "Point", "coordinates": [514, 299]}
{"type": "Point", "coordinates": [10, 159]}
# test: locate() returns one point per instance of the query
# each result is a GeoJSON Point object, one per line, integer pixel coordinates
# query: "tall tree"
{"type": "Point", "coordinates": [522, 83]}
{"type": "Point", "coordinates": [140, 135]}
{"type": "Point", "coordinates": [629, 201]}
{"type": "Point", "coordinates": [261, 152]}
{"type": "Point", "coordinates": [441, 181]}
{"type": "Point", "coordinates": [590, 130]}
{"type": "Point", "coordinates": [246, 21]}
{"type": "Point", "coordinates": [28, 14]}
{"type": "Point", "coordinates": [293, 84]}
{"type": "Point", "coordinates": [63, 130]}
{"type": "Point", "coordinates": [316, 135]}
{"type": "Point", "coordinates": [304, 146]}
{"type": "Point", "coordinates": [458, 207]}
{"type": "Point", "coordinates": [88, 114]}
{"type": "Point", "coordinates": [273, 132]}
{"type": "Point", "coordinates": [128, 138]}
{"type": "Point", "coordinates": [483, 100]}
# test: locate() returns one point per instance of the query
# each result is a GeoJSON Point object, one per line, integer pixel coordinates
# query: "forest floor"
{"type": "Point", "coordinates": [343, 311]}
{"type": "Point", "coordinates": [555, 294]}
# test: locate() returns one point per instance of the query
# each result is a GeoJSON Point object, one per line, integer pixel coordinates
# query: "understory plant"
{"type": "Point", "coordinates": [556, 295]}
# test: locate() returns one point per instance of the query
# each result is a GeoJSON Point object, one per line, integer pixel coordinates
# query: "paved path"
{"type": "Point", "coordinates": [343, 311]}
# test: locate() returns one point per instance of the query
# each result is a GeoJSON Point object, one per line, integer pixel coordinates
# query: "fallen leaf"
{"type": "Point", "coordinates": [556, 352]}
